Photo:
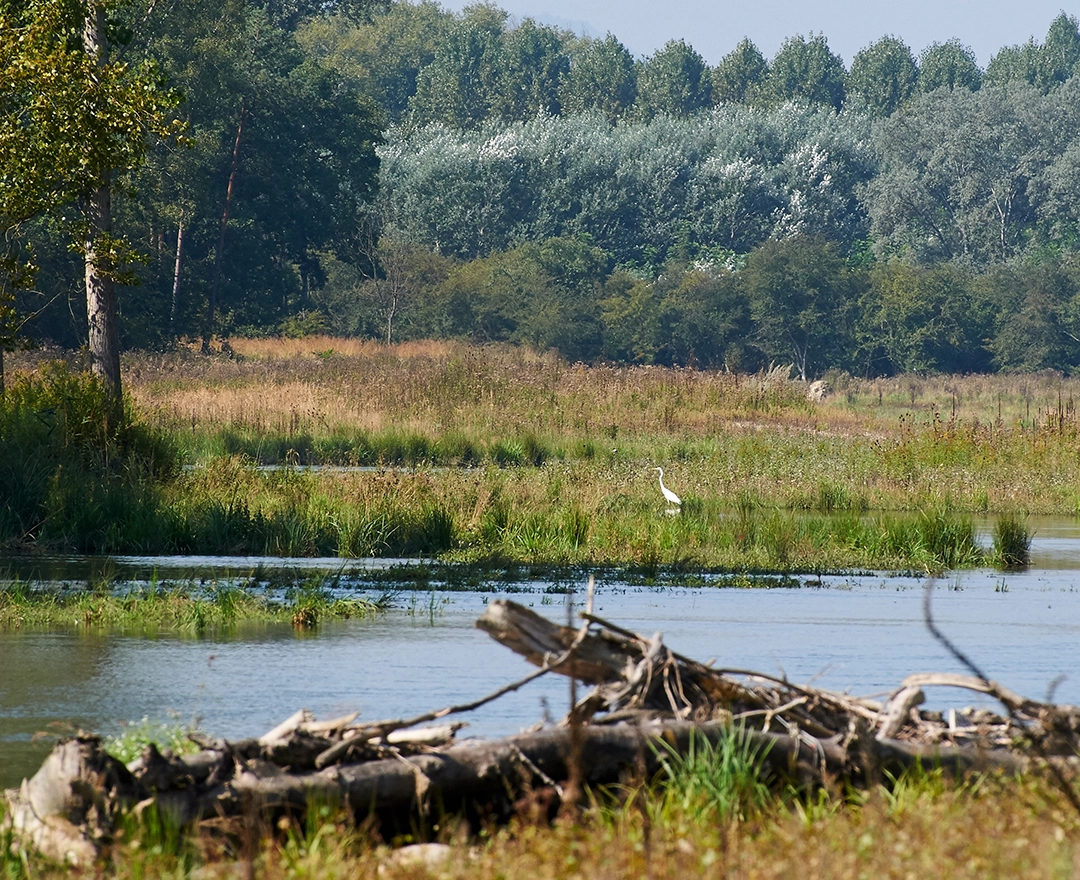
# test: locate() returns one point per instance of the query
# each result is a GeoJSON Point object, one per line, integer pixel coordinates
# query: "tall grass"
{"type": "Point", "coordinates": [72, 469]}
{"type": "Point", "coordinates": [547, 462]}
{"type": "Point", "coordinates": [921, 828]}
{"type": "Point", "coordinates": [712, 782]}
{"type": "Point", "coordinates": [974, 443]}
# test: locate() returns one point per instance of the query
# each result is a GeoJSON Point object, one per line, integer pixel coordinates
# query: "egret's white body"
{"type": "Point", "coordinates": [668, 494]}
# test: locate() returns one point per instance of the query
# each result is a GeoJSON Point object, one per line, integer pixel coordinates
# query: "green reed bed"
{"type": "Point", "coordinates": [561, 514]}
{"type": "Point", "coordinates": [179, 608]}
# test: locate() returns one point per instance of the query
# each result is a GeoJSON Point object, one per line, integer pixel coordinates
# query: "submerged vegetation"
{"type": "Point", "coordinates": [496, 455]}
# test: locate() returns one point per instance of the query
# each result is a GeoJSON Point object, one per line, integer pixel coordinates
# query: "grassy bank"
{"type": "Point", "coordinates": [920, 826]}
{"type": "Point", "coordinates": [518, 457]}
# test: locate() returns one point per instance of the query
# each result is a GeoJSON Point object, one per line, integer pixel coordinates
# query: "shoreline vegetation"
{"type": "Point", "coordinates": [495, 455]}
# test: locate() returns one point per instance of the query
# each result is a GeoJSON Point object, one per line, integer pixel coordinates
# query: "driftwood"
{"type": "Point", "coordinates": [645, 700]}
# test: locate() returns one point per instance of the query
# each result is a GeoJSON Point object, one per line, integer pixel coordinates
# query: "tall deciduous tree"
{"type": "Point", "coordinates": [883, 75]}
{"type": "Point", "coordinates": [461, 86]}
{"type": "Point", "coordinates": [601, 77]}
{"type": "Point", "coordinates": [533, 66]}
{"type": "Point", "coordinates": [807, 71]}
{"type": "Point", "coordinates": [76, 120]}
{"type": "Point", "coordinates": [385, 55]}
{"type": "Point", "coordinates": [949, 65]}
{"type": "Point", "coordinates": [674, 81]}
{"type": "Point", "coordinates": [740, 75]}
{"type": "Point", "coordinates": [802, 296]}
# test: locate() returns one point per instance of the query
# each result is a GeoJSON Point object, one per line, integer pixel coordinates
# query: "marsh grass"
{"type": "Point", "coordinates": [1012, 541]}
{"type": "Point", "coordinates": [978, 443]}
{"type": "Point", "coordinates": [182, 608]}
{"type": "Point", "coordinates": [712, 782]}
{"type": "Point", "coordinates": [519, 456]}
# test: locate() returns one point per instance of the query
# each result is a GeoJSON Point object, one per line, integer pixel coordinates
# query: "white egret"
{"type": "Point", "coordinates": [668, 494]}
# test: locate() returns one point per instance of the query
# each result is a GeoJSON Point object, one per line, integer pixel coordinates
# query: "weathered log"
{"type": "Point", "coordinates": [898, 709]}
{"type": "Point", "coordinates": [67, 809]}
{"type": "Point", "coordinates": [595, 660]}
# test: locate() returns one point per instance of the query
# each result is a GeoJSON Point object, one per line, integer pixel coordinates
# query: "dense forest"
{"type": "Point", "coordinates": [400, 171]}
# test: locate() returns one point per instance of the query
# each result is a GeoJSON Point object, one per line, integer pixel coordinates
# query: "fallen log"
{"type": "Point", "coordinates": [66, 809]}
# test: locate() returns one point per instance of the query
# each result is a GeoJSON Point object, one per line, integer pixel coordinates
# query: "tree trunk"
{"type": "Point", "coordinates": [176, 276]}
{"type": "Point", "coordinates": [103, 337]}
{"type": "Point", "coordinates": [211, 305]}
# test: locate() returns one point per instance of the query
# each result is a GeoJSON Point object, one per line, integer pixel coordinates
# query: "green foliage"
{"type": "Point", "coordinates": [136, 736]}
{"type": "Point", "coordinates": [801, 293]}
{"type": "Point", "coordinates": [69, 115]}
{"type": "Point", "coordinates": [534, 65]}
{"type": "Point", "coordinates": [383, 54]}
{"type": "Point", "coordinates": [461, 86]}
{"type": "Point", "coordinates": [1043, 66]}
{"type": "Point", "coordinates": [740, 75]}
{"type": "Point", "coordinates": [740, 176]}
{"type": "Point", "coordinates": [949, 65]}
{"type": "Point", "coordinates": [924, 321]}
{"type": "Point", "coordinates": [960, 171]}
{"type": "Point", "coordinates": [602, 78]}
{"type": "Point", "coordinates": [674, 81]}
{"type": "Point", "coordinates": [72, 469]}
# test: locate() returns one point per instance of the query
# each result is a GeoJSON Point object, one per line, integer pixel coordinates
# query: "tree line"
{"type": "Point", "coordinates": [397, 170]}
{"type": "Point", "coordinates": [802, 301]}
{"type": "Point", "coordinates": [429, 65]}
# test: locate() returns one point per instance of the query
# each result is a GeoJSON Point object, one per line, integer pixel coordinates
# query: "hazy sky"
{"type": "Point", "coordinates": [714, 28]}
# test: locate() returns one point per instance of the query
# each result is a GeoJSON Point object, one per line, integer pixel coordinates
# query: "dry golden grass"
{"type": "Point", "coordinates": [1017, 831]}
{"type": "Point", "coordinates": [323, 383]}
{"type": "Point", "coordinates": [282, 348]}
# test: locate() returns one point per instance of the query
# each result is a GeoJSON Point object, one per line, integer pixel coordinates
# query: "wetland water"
{"type": "Point", "coordinates": [861, 633]}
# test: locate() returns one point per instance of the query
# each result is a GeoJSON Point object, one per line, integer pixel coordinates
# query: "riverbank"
{"type": "Point", "coordinates": [704, 817]}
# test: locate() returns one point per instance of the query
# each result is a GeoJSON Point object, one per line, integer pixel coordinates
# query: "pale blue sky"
{"type": "Point", "coordinates": [714, 27]}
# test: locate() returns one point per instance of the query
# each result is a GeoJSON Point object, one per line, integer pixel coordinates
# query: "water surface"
{"type": "Point", "coordinates": [857, 633]}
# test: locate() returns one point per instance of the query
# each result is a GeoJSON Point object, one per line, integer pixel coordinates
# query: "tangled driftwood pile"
{"type": "Point", "coordinates": [642, 692]}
